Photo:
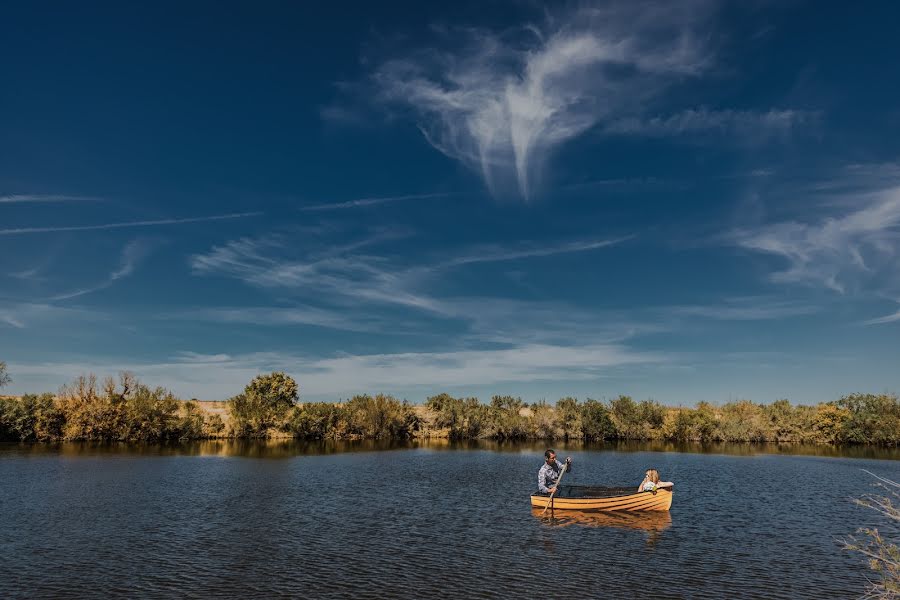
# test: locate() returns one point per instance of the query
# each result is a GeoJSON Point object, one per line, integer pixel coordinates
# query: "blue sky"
{"type": "Point", "coordinates": [688, 201]}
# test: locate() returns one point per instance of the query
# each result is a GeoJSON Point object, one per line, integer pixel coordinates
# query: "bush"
{"type": "Point", "coordinates": [466, 418]}
{"type": "Point", "coordinates": [568, 417]}
{"type": "Point", "coordinates": [264, 405]}
{"type": "Point", "coordinates": [596, 421]}
{"type": "Point", "coordinates": [627, 418]}
{"type": "Point", "coordinates": [381, 417]}
{"type": "Point", "coordinates": [319, 420]}
{"type": "Point", "coordinates": [507, 420]}
{"type": "Point", "coordinates": [541, 422]}
{"type": "Point", "coordinates": [872, 419]}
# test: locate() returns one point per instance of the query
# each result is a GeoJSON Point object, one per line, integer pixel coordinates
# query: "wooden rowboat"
{"type": "Point", "coordinates": [586, 498]}
{"type": "Point", "coordinates": [652, 521]}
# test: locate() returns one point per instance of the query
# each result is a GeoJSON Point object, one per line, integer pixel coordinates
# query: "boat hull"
{"type": "Point", "coordinates": [661, 500]}
{"type": "Point", "coordinates": [652, 521]}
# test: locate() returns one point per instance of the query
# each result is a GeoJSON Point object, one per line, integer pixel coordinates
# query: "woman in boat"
{"type": "Point", "coordinates": [548, 475]}
{"type": "Point", "coordinates": [650, 482]}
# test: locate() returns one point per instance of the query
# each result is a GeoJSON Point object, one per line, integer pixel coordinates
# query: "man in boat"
{"type": "Point", "coordinates": [548, 475]}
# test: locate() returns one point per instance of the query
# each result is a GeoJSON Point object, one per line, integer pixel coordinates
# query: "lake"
{"type": "Point", "coordinates": [369, 520]}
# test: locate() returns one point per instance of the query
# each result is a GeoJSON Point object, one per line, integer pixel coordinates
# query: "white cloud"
{"type": "Point", "coordinates": [279, 316]}
{"type": "Point", "coordinates": [836, 251]}
{"type": "Point", "coordinates": [24, 314]}
{"type": "Point", "coordinates": [220, 376]}
{"type": "Point", "coordinates": [23, 198]}
{"type": "Point", "coordinates": [747, 124]}
{"type": "Point", "coordinates": [135, 251]}
{"type": "Point", "coordinates": [503, 102]}
{"type": "Point", "coordinates": [342, 275]}
{"type": "Point", "coordinates": [26, 230]}
{"type": "Point", "coordinates": [745, 309]}
{"type": "Point", "coordinates": [892, 318]}
{"type": "Point", "coordinates": [371, 201]}
{"type": "Point", "coordinates": [505, 253]}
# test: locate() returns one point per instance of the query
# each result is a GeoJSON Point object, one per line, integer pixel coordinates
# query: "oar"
{"type": "Point", "coordinates": [553, 493]}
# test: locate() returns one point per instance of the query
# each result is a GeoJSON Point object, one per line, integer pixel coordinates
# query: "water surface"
{"type": "Point", "coordinates": [372, 520]}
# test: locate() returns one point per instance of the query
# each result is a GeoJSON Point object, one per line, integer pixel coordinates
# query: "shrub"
{"type": "Point", "coordinates": [508, 422]}
{"type": "Point", "coordinates": [568, 417]}
{"type": "Point", "coordinates": [541, 422]}
{"type": "Point", "coordinates": [596, 421]}
{"type": "Point", "coordinates": [264, 405]}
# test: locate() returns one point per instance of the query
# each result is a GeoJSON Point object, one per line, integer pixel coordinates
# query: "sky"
{"type": "Point", "coordinates": [693, 201]}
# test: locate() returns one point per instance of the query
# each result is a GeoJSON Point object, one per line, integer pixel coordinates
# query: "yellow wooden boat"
{"type": "Point", "coordinates": [588, 498]}
{"type": "Point", "coordinates": [651, 521]}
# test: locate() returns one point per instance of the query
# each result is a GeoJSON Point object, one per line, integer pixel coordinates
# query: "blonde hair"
{"type": "Point", "coordinates": [652, 475]}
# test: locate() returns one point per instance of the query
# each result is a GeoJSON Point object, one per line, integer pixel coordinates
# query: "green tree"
{"type": "Point", "coordinates": [873, 419]}
{"type": "Point", "coordinates": [680, 425]}
{"type": "Point", "coordinates": [319, 420]}
{"type": "Point", "coordinates": [265, 404]}
{"type": "Point", "coordinates": [706, 422]}
{"type": "Point", "coordinates": [596, 421]}
{"type": "Point", "coordinates": [568, 417]}
{"type": "Point", "coordinates": [627, 418]}
{"type": "Point", "coordinates": [651, 414]}
{"type": "Point", "coordinates": [509, 423]}
{"type": "Point", "coordinates": [830, 422]}
{"type": "Point", "coordinates": [541, 422]}
{"type": "Point", "coordinates": [381, 417]}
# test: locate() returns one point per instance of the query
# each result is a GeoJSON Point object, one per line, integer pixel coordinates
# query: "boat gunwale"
{"type": "Point", "coordinates": [568, 498]}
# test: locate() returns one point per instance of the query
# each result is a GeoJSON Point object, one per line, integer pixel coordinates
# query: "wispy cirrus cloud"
{"type": "Point", "coordinates": [891, 318]}
{"type": "Point", "coordinates": [856, 241]}
{"type": "Point", "coordinates": [509, 252]}
{"type": "Point", "coordinates": [748, 125]}
{"type": "Point", "coordinates": [347, 274]}
{"type": "Point", "coordinates": [21, 315]}
{"type": "Point", "coordinates": [133, 252]}
{"type": "Point", "coordinates": [502, 102]}
{"type": "Point", "coordinates": [127, 224]}
{"type": "Point", "coordinates": [34, 198]}
{"type": "Point", "coordinates": [278, 316]}
{"type": "Point", "coordinates": [362, 202]}
{"type": "Point", "coordinates": [745, 309]}
{"type": "Point", "coordinates": [222, 375]}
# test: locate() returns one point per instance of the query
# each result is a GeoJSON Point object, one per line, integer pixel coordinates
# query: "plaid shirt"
{"type": "Point", "coordinates": [549, 475]}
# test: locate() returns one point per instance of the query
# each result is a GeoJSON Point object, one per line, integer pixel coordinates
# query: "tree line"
{"type": "Point", "coordinates": [127, 410]}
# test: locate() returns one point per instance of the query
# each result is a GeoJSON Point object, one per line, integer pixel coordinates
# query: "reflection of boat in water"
{"type": "Point", "coordinates": [590, 498]}
{"type": "Point", "coordinates": [651, 521]}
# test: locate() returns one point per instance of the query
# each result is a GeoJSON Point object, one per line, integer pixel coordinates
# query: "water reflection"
{"type": "Point", "coordinates": [269, 449]}
{"type": "Point", "coordinates": [287, 448]}
{"type": "Point", "coordinates": [653, 522]}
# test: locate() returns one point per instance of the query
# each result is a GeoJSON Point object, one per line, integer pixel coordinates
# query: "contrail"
{"type": "Point", "coordinates": [42, 198]}
{"type": "Point", "coordinates": [370, 201]}
{"type": "Point", "coordinates": [23, 230]}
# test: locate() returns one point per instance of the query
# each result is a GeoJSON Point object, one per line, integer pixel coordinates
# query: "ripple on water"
{"type": "Point", "coordinates": [418, 522]}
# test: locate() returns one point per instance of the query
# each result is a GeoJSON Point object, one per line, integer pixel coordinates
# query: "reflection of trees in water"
{"type": "Point", "coordinates": [285, 448]}
{"type": "Point", "coordinates": [727, 448]}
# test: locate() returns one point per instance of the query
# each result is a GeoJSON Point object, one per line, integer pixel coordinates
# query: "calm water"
{"type": "Point", "coordinates": [411, 522]}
